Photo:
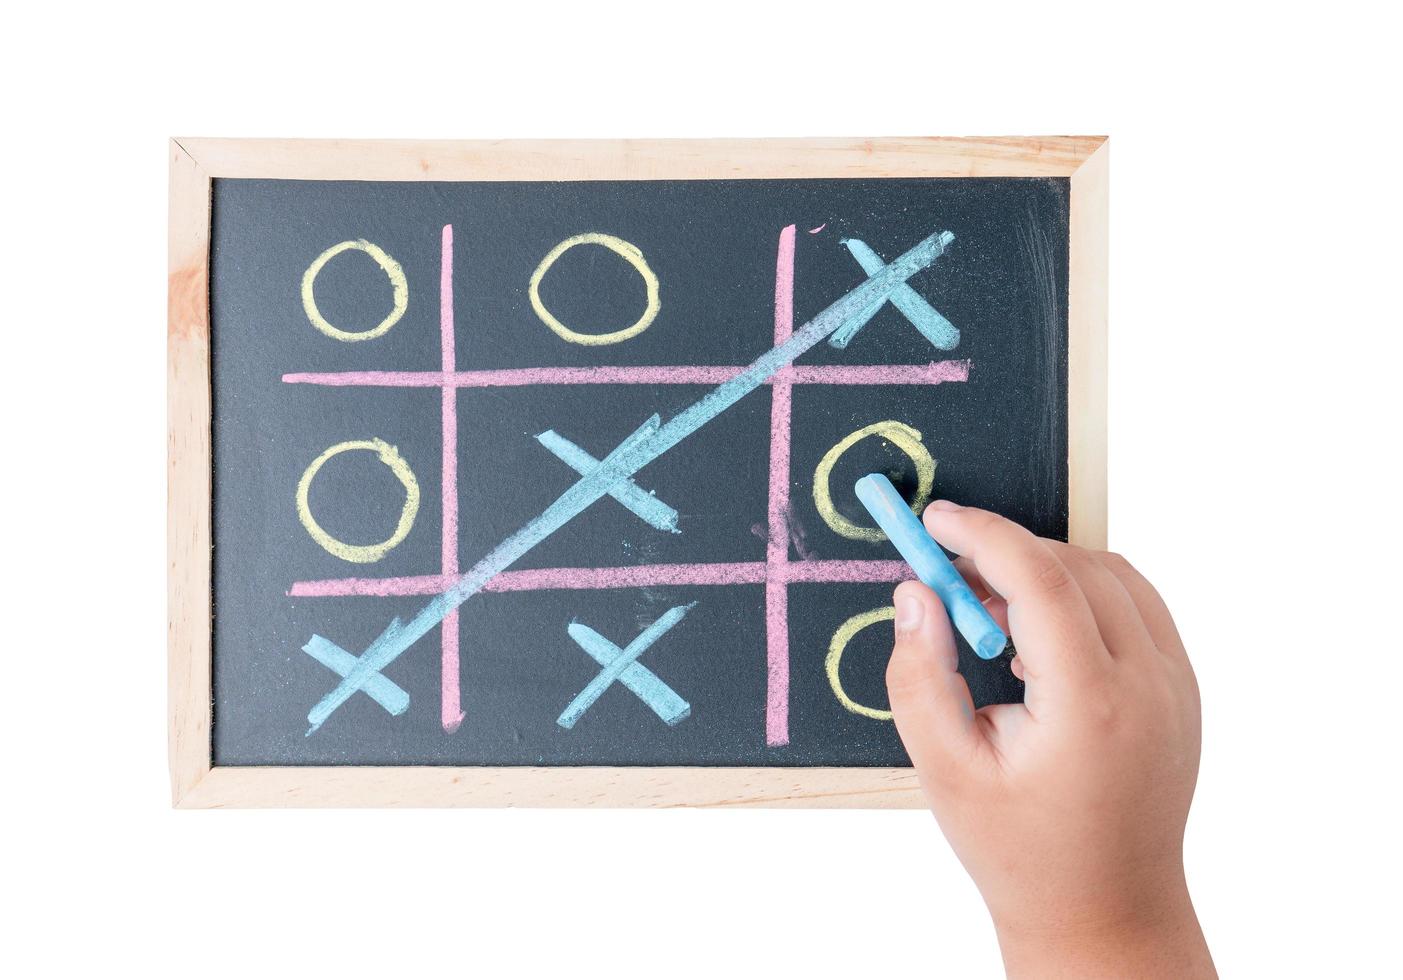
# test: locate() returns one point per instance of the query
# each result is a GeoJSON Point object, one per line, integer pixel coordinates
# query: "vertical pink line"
{"type": "Point", "coordinates": [451, 701]}
{"type": "Point", "coordinates": [777, 546]}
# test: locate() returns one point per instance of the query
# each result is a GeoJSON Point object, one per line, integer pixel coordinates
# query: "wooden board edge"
{"type": "Point", "coordinates": [1087, 321]}
{"type": "Point", "coordinates": [644, 159]}
{"type": "Point", "coordinates": [550, 787]}
{"type": "Point", "coordinates": [188, 474]}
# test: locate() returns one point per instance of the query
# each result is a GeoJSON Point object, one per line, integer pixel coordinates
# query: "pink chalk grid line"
{"type": "Point", "coordinates": [776, 572]}
{"type": "Point", "coordinates": [622, 577]}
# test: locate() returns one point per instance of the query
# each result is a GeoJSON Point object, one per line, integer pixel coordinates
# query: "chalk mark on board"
{"type": "Point", "coordinates": [930, 373]}
{"type": "Point", "coordinates": [386, 692]}
{"type": "Point", "coordinates": [651, 440]}
{"type": "Point", "coordinates": [644, 505]}
{"type": "Point", "coordinates": [623, 666]}
{"type": "Point", "coordinates": [926, 318]}
{"type": "Point", "coordinates": [900, 435]}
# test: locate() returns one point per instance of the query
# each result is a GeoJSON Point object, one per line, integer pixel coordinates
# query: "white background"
{"type": "Point", "coordinates": [1254, 432]}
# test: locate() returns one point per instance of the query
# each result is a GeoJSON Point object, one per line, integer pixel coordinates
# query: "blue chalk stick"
{"type": "Point", "coordinates": [893, 515]}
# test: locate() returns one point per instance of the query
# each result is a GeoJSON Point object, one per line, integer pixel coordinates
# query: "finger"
{"type": "Point", "coordinates": [1119, 622]}
{"type": "Point", "coordinates": [1146, 597]}
{"type": "Point", "coordinates": [930, 701]}
{"type": "Point", "coordinates": [1016, 666]}
{"type": "Point", "coordinates": [1052, 624]}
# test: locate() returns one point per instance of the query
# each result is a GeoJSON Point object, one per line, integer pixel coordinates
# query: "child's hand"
{"type": "Point", "coordinates": [1067, 810]}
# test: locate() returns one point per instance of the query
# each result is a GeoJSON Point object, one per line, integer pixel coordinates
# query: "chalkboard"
{"type": "Point", "coordinates": [558, 473]}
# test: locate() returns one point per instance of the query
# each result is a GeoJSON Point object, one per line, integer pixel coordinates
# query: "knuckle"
{"type": "Point", "coordinates": [1163, 689]}
{"type": "Point", "coordinates": [1115, 560]}
{"type": "Point", "coordinates": [1105, 717]}
{"type": "Point", "coordinates": [1075, 557]}
{"type": "Point", "coordinates": [1050, 576]}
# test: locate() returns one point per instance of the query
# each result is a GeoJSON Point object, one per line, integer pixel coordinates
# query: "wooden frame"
{"type": "Point", "coordinates": [196, 162]}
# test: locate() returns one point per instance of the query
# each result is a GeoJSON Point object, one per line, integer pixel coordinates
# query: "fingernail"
{"type": "Point", "coordinates": [909, 613]}
{"type": "Point", "coordinates": [944, 505]}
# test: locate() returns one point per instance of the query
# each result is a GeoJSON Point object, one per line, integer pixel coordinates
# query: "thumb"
{"type": "Point", "coordinates": [930, 700]}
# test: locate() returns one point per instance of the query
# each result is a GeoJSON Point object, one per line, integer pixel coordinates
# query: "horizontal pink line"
{"type": "Point", "coordinates": [828, 374]}
{"type": "Point", "coordinates": [635, 576]}
{"type": "Point", "coordinates": [407, 585]}
{"type": "Point", "coordinates": [847, 571]}
{"type": "Point", "coordinates": [632, 577]}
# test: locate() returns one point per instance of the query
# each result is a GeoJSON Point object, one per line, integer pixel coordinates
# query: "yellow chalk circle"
{"type": "Point", "coordinates": [841, 638]}
{"type": "Point", "coordinates": [393, 270]}
{"type": "Point", "coordinates": [630, 254]}
{"type": "Point", "coordinates": [363, 553]}
{"type": "Point", "coordinates": [905, 438]}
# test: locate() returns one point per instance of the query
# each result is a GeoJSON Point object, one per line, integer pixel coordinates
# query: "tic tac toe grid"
{"type": "Point", "coordinates": [775, 573]}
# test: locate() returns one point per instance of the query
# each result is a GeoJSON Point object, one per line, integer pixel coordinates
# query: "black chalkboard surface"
{"type": "Point", "coordinates": [446, 532]}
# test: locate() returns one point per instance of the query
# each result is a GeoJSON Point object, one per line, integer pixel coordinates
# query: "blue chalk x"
{"type": "Point", "coordinates": [893, 515]}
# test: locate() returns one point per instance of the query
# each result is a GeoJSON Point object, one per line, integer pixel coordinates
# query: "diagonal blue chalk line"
{"type": "Point", "coordinates": [644, 445]}
{"type": "Point", "coordinates": [942, 334]}
{"type": "Point", "coordinates": [647, 507]}
{"type": "Point", "coordinates": [621, 661]}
